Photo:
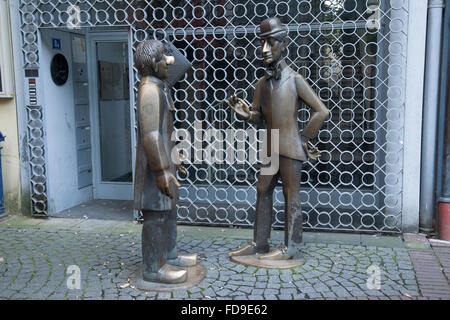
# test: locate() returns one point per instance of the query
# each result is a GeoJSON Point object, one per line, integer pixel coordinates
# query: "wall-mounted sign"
{"type": "Point", "coordinates": [56, 43]}
{"type": "Point", "coordinates": [31, 73]}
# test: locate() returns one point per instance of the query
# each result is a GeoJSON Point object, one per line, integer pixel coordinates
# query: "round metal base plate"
{"type": "Point", "coordinates": [195, 275]}
{"type": "Point", "coordinates": [253, 260]}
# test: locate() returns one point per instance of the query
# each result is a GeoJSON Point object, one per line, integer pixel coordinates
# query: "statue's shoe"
{"type": "Point", "coordinates": [167, 274]}
{"type": "Point", "coordinates": [280, 254]}
{"type": "Point", "coordinates": [184, 260]}
{"type": "Point", "coordinates": [248, 249]}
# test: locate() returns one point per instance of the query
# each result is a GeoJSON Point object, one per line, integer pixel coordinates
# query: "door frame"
{"type": "Point", "coordinates": [101, 189]}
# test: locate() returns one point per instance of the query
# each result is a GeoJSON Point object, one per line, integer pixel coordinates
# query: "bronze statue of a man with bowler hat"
{"type": "Point", "coordinates": [276, 102]}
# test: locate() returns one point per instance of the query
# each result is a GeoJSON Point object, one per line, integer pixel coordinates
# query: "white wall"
{"type": "Point", "coordinates": [417, 26]}
{"type": "Point", "coordinates": [8, 122]}
{"type": "Point", "coordinates": [10, 156]}
{"type": "Point", "coordinates": [58, 101]}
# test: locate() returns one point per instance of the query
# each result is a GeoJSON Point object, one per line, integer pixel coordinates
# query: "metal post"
{"type": "Point", "coordinates": [430, 116]}
{"type": "Point", "coordinates": [2, 203]}
{"type": "Point", "coordinates": [443, 165]}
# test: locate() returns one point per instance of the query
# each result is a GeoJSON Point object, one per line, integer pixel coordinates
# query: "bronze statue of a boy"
{"type": "Point", "coordinates": [276, 101]}
{"type": "Point", "coordinates": [156, 187]}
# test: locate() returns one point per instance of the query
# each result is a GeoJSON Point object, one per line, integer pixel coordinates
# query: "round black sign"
{"type": "Point", "coordinates": [59, 69]}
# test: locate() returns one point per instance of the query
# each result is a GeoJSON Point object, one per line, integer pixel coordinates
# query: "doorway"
{"type": "Point", "coordinates": [112, 115]}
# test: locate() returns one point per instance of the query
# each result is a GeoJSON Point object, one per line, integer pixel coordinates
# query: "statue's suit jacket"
{"type": "Point", "coordinates": [277, 103]}
{"type": "Point", "coordinates": [154, 145]}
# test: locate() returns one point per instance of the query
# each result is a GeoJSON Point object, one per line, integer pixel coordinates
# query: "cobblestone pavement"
{"type": "Point", "coordinates": [34, 262]}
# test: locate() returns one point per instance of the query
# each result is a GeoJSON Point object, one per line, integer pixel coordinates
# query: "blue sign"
{"type": "Point", "coordinates": [56, 43]}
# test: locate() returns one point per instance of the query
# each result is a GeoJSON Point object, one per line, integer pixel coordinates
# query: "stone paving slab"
{"type": "Point", "coordinates": [36, 257]}
{"type": "Point", "coordinates": [380, 241]}
{"type": "Point", "coordinates": [198, 231]}
{"type": "Point", "coordinates": [431, 265]}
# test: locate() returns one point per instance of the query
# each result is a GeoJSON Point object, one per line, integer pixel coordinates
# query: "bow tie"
{"type": "Point", "coordinates": [274, 72]}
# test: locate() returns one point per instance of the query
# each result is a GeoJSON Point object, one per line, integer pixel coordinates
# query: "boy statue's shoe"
{"type": "Point", "coordinates": [184, 260]}
{"type": "Point", "coordinates": [167, 274]}
{"type": "Point", "coordinates": [248, 249]}
{"type": "Point", "coordinates": [280, 254]}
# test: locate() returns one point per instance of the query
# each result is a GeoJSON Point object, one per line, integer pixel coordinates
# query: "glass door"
{"type": "Point", "coordinates": [113, 155]}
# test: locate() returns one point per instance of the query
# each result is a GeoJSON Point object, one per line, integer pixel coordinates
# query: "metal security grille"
{"type": "Point", "coordinates": [352, 52]}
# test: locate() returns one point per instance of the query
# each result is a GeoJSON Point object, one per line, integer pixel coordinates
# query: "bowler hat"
{"type": "Point", "coordinates": [271, 26]}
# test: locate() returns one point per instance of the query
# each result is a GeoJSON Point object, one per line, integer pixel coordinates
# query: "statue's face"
{"type": "Point", "coordinates": [272, 50]}
{"type": "Point", "coordinates": [162, 69]}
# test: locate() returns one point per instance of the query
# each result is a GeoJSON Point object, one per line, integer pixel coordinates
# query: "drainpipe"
{"type": "Point", "coordinates": [427, 205]}
{"type": "Point", "coordinates": [443, 165]}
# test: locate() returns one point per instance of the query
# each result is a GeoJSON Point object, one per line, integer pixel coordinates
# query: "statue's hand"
{"type": "Point", "coordinates": [163, 182]}
{"type": "Point", "coordinates": [239, 106]}
{"type": "Point", "coordinates": [180, 167]}
{"type": "Point", "coordinates": [311, 152]}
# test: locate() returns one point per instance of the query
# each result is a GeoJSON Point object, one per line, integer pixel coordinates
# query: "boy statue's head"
{"type": "Point", "coordinates": [150, 59]}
